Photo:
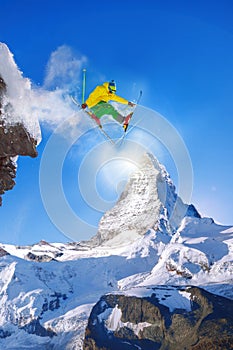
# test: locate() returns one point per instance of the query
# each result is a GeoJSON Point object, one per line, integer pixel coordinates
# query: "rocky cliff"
{"type": "Point", "coordinates": [15, 140]}
{"type": "Point", "coordinates": [202, 321]}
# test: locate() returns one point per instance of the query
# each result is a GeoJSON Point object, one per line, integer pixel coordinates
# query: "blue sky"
{"type": "Point", "coordinates": [179, 52]}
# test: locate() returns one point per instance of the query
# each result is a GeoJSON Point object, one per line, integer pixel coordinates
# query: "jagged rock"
{"type": "Point", "coordinates": [15, 140]}
{"type": "Point", "coordinates": [54, 303]}
{"type": "Point", "coordinates": [3, 252]}
{"type": "Point", "coordinates": [34, 327]}
{"type": "Point", "coordinates": [7, 174]}
{"type": "Point", "coordinates": [4, 334]}
{"type": "Point", "coordinates": [43, 242]}
{"type": "Point", "coordinates": [39, 258]}
{"type": "Point", "coordinates": [126, 322]}
{"type": "Point", "coordinates": [192, 211]}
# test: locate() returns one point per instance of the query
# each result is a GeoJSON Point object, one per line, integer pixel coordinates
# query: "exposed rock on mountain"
{"type": "Point", "coordinates": [148, 201]}
{"type": "Point", "coordinates": [15, 140]}
{"type": "Point", "coordinates": [3, 252]}
{"type": "Point", "coordinates": [157, 321]}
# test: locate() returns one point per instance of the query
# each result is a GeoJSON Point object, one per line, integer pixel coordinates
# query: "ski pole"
{"type": "Point", "coordinates": [84, 85]}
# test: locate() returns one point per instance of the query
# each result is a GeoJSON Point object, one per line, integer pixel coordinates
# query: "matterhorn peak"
{"type": "Point", "coordinates": [149, 201]}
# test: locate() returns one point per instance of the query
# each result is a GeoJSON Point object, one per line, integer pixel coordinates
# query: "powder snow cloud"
{"type": "Point", "coordinates": [63, 68]}
{"type": "Point", "coordinates": [49, 104]}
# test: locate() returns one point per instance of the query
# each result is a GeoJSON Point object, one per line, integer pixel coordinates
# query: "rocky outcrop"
{"type": "Point", "coordinates": [15, 140]}
{"type": "Point", "coordinates": [3, 252]}
{"type": "Point", "coordinates": [34, 327]}
{"type": "Point", "coordinates": [126, 322]}
{"type": "Point", "coordinates": [38, 258]}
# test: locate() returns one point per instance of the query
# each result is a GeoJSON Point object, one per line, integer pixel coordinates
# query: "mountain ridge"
{"type": "Point", "coordinates": [48, 289]}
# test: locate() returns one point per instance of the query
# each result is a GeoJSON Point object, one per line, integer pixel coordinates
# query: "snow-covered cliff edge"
{"type": "Point", "coordinates": [19, 135]}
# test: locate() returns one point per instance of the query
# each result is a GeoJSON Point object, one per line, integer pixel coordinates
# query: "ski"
{"type": "Point", "coordinates": [121, 139]}
{"type": "Point", "coordinates": [128, 118]}
{"type": "Point", "coordinates": [126, 123]}
{"type": "Point", "coordinates": [95, 119]}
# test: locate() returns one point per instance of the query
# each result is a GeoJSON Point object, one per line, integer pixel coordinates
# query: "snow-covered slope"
{"type": "Point", "coordinates": [47, 290]}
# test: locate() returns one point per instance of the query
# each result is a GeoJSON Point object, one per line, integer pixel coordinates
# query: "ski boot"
{"type": "Point", "coordinates": [126, 121]}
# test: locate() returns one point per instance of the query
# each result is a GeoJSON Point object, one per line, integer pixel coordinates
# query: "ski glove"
{"type": "Point", "coordinates": [131, 104]}
{"type": "Point", "coordinates": [84, 105]}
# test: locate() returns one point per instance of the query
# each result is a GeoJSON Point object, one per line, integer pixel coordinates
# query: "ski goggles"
{"type": "Point", "coordinates": [112, 87]}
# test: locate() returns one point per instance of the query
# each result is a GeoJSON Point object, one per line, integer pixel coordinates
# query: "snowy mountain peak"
{"type": "Point", "coordinates": [148, 202]}
{"type": "Point", "coordinates": [47, 290]}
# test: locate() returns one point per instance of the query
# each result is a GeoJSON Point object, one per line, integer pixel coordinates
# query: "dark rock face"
{"type": "Point", "coordinates": [39, 258]}
{"type": "Point", "coordinates": [192, 211]}
{"type": "Point", "coordinates": [54, 302]}
{"type": "Point", "coordinates": [3, 252]}
{"type": "Point", "coordinates": [14, 140]}
{"type": "Point", "coordinates": [34, 327]}
{"type": "Point", "coordinates": [207, 326]}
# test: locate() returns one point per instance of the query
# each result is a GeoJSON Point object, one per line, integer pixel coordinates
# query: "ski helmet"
{"type": "Point", "coordinates": [112, 86]}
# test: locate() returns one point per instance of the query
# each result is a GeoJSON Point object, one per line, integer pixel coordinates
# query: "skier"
{"type": "Point", "coordinates": [98, 103]}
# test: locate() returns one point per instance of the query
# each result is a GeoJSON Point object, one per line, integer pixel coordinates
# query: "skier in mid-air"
{"type": "Point", "coordinates": [98, 100]}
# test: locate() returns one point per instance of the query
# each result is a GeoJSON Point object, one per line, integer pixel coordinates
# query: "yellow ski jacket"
{"type": "Point", "coordinates": [101, 93]}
